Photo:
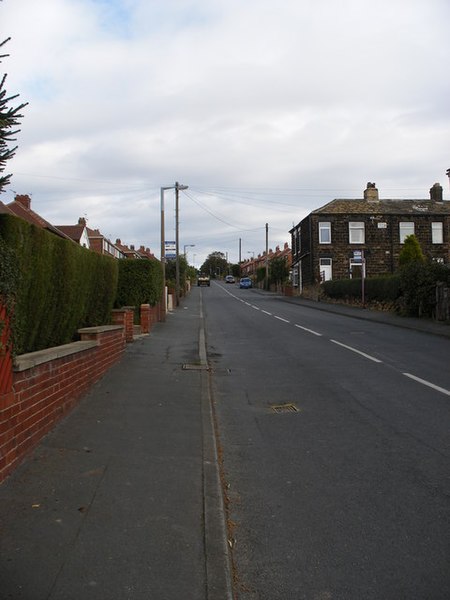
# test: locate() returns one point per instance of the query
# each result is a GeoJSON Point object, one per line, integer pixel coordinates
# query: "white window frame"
{"type": "Point", "coordinates": [437, 232]}
{"type": "Point", "coordinates": [405, 228]}
{"type": "Point", "coordinates": [324, 226]}
{"type": "Point", "coordinates": [356, 232]}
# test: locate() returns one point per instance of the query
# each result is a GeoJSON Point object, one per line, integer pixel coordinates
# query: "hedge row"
{"type": "Point", "coordinates": [412, 290]}
{"type": "Point", "coordinates": [60, 286]}
{"type": "Point", "coordinates": [140, 282]}
{"type": "Point", "coordinates": [377, 289]}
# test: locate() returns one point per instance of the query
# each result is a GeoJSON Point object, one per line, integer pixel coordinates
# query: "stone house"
{"type": "Point", "coordinates": [341, 238]}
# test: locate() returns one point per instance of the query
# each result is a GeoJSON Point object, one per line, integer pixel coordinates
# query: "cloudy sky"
{"type": "Point", "coordinates": [266, 109]}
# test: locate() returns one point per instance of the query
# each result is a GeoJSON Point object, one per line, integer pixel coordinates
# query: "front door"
{"type": "Point", "coordinates": [325, 267]}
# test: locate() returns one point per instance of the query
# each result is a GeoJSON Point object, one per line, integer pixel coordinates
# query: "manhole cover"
{"type": "Point", "coordinates": [283, 408]}
{"type": "Point", "coordinates": [195, 367]}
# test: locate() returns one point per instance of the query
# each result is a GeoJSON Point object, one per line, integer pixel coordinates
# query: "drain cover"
{"type": "Point", "coordinates": [282, 408]}
{"type": "Point", "coordinates": [195, 367]}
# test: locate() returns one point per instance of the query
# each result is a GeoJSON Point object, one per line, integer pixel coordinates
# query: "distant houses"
{"type": "Point", "coordinates": [79, 233]}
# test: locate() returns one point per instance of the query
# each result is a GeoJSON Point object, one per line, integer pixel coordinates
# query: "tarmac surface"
{"type": "Point", "coordinates": [122, 500]}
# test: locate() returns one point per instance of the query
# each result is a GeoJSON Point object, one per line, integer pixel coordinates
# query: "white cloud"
{"type": "Point", "coordinates": [304, 99]}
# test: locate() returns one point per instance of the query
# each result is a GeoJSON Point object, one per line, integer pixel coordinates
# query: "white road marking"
{"type": "Point", "coordinates": [266, 312]}
{"type": "Point", "coordinates": [255, 307]}
{"type": "Point", "coordinates": [357, 351]}
{"type": "Point", "coordinates": [428, 383]}
{"type": "Point", "coordinates": [308, 330]}
{"type": "Point", "coordinates": [281, 319]}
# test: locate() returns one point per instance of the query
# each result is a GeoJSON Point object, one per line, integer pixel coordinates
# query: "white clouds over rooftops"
{"type": "Point", "coordinates": [305, 98]}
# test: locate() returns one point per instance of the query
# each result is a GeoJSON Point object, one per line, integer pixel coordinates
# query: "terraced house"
{"type": "Point", "coordinates": [334, 241]}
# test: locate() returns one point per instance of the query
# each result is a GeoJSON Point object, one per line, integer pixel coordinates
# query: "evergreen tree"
{"type": "Point", "coordinates": [411, 251]}
{"type": "Point", "coordinates": [9, 118]}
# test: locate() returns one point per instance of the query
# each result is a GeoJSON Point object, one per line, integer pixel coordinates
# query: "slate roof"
{"type": "Point", "coordinates": [389, 207]}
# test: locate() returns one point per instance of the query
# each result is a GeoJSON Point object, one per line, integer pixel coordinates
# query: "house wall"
{"type": "Point", "coordinates": [381, 247]}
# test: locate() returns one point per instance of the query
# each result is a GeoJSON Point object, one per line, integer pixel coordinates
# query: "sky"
{"type": "Point", "coordinates": [265, 109]}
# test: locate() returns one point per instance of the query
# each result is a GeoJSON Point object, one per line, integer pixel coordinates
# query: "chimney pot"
{"type": "Point", "coordinates": [23, 199]}
{"type": "Point", "coordinates": [436, 192]}
{"type": "Point", "coordinates": [371, 192]}
{"type": "Point", "coordinates": [82, 221]}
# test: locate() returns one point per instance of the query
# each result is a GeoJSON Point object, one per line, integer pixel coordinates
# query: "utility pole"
{"type": "Point", "coordinates": [178, 187]}
{"type": "Point", "coordinates": [267, 257]}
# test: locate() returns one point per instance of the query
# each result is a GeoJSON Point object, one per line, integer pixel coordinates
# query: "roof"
{"type": "Point", "coordinates": [73, 231]}
{"type": "Point", "coordinates": [390, 207]}
{"type": "Point", "coordinates": [5, 209]}
{"type": "Point", "coordinates": [24, 212]}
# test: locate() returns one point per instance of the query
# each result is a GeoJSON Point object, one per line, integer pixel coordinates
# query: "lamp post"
{"type": "Point", "coordinates": [163, 250]}
{"type": "Point", "coordinates": [175, 187]}
{"type": "Point", "coordinates": [178, 187]}
{"type": "Point", "coordinates": [188, 246]}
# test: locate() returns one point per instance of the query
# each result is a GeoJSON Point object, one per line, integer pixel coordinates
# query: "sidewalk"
{"type": "Point", "coordinates": [122, 501]}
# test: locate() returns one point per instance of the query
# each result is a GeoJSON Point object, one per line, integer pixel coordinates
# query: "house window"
{"type": "Point", "coordinates": [356, 234]}
{"type": "Point", "coordinates": [324, 232]}
{"type": "Point", "coordinates": [325, 266]}
{"type": "Point", "coordinates": [437, 233]}
{"type": "Point", "coordinates": [406, 228]}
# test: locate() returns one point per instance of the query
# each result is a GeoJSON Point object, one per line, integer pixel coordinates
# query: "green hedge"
{"type": "Point", "coordinates": [381, 289]}
{"type": "Point", "coordinates": [61, 286]}
{"type": "Point", "coordinates": [418, 287]}
{"type": "Point", "coordinates": [140, 282]}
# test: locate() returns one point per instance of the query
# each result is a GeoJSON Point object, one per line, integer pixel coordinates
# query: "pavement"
{"type": "Point", "coordinates": [122, 500]}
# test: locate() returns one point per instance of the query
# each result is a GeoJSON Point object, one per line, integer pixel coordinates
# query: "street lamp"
{"type": "Point", "coordinates": [175, 187]}
{"type": "Point", "coordinates": [188, 246]}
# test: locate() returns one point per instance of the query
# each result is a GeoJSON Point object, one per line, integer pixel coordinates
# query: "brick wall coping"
{"type": "Point", "coordinates": [32, 359]}
{"type": "Point", "coordinates": [100, 329]}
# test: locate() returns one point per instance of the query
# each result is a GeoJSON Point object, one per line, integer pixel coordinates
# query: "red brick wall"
{"type": "Point", "coordinates": [42, 394]}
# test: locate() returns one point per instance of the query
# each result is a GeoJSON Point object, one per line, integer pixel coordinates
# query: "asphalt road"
{"type": "Point", "coordinates": [348, 496]}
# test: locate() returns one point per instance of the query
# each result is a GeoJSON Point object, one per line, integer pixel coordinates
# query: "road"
{"type": "Point", "coordinates": [335, 441]}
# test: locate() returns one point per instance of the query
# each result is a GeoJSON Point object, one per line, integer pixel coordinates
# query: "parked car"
{"type": "Point", "coordinates": [245, 283]}
{"type": "Point", "coordinates": [229, 279]}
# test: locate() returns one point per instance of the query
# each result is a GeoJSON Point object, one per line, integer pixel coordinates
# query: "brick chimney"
{"type": "Point", "coordinates": [24, 200]}
{"type": "Point", "coordinates": [436, 192]}
{"type": "Point", "coordinates": [82, 221]}
{"type": "Point", "coordinates": [371, 193]}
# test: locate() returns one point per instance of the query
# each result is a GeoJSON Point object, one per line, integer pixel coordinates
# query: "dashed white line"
{"type": "Point", "coordinates": [308, 330]}
{"type": "Point", "coordinates": [357, 351]}
{"type": "Point", "coordinates": [428, 383]}
{"type": "Point", "coordinates": [281, 319]}
{"type": "Point", "coordinates": [266, 312]}
{"type": "Point", "coordinates": [255, 307]}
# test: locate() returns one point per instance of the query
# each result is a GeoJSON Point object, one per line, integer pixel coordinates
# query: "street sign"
{"type": "Point", "coordinates": [357, 255]}
{"type": "Point", "coordinates": [170, 250]}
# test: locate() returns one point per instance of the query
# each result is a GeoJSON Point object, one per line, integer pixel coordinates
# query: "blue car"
{"type": "Point", "coordinates": [245, 283]}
